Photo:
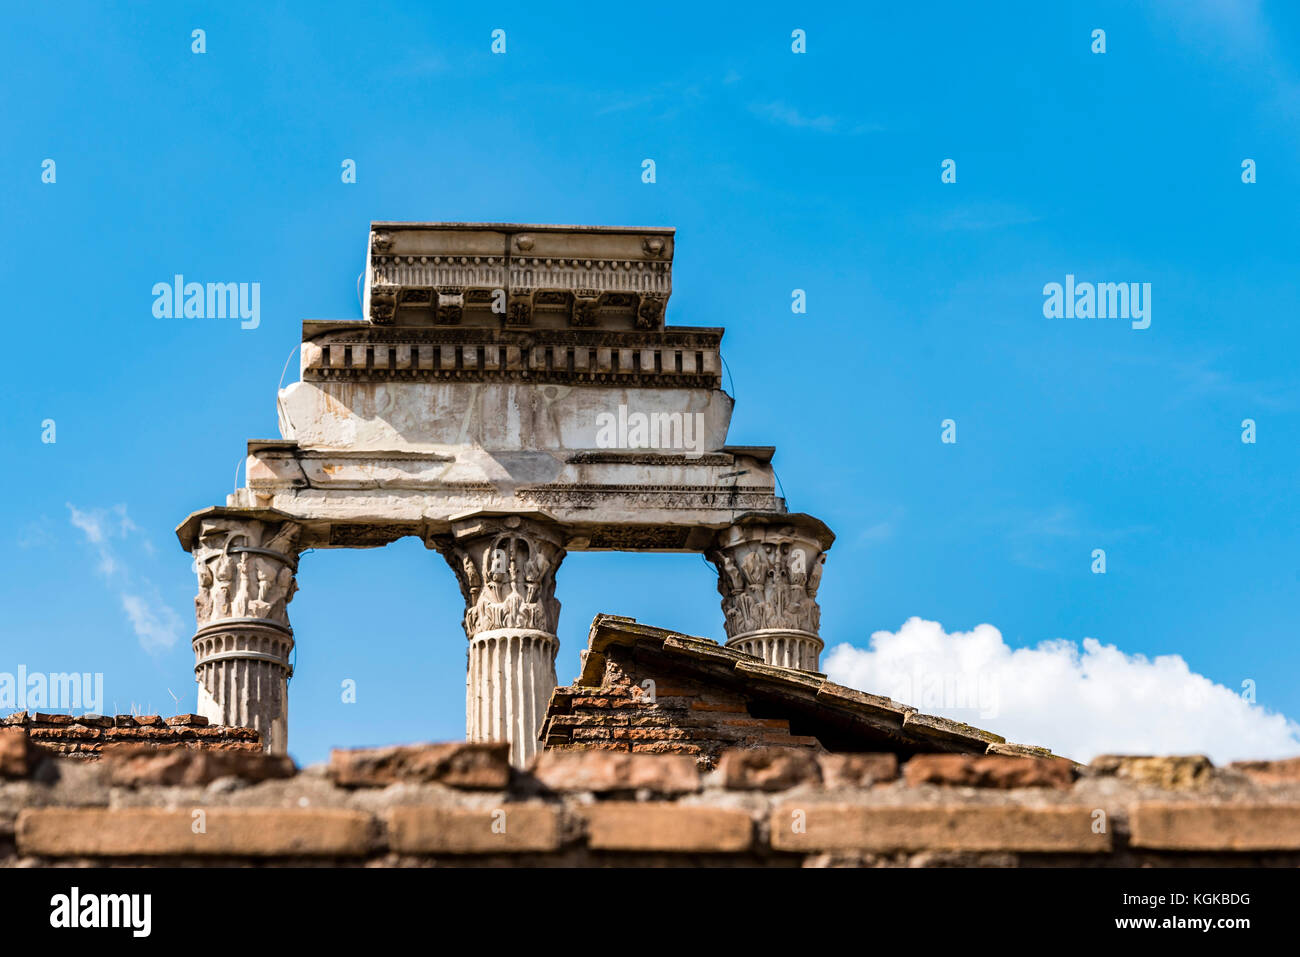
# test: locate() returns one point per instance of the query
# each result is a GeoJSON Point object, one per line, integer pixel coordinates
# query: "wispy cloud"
{"type": "Point", "coordinates": [884, 528]}
{"type": "Point", "coordinates": [1237, 32]}
{"type": "Point", "coordinates": [1034, 537]}
{"type": "Point", "coordinates": [421, 63]}
{"type": "Point", "coordinates": [36, 534]}
{"type": "Point", "coordinates": [662, 101]}
{"type": "Point", "coordinates": [977, 217]}
{"type": "Point", "coordinates": [779, 112]}
{"type": "Point", "coordinates": [1233, 28]}
{"type": "Point", "coordinates": [1038, 537]}
{"type": "Point", "coordinates": [1204, 377]}
{"type": "Point", "coordinates": [156, 625]}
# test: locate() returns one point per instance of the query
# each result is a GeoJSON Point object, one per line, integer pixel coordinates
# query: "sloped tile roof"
{"type": "Point", "coordinates": [875, 719]}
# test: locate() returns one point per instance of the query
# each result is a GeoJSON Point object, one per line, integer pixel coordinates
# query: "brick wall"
{"type": "Point", "coordinates": [86, 736]}
{"type": "Point", "coordinates": [683, 716]}
{"type": "Point", "coordinates": [462, 804]}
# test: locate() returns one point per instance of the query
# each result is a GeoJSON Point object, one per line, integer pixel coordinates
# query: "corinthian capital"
{"type": "Point", "coordinates": [769, 570]}
{"type": "Point", "coordinates": [245, 569]}
{"type": "Point", "coordinates": [506, 568]}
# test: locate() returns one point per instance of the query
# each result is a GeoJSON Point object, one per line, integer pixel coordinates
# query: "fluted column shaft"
{"type": "Point", "coordinates": [509, 681]}
{"type": "Point", "coordinates": [246, 570]}
{"type": "Point", "coordinates": [769, 571]}
{"type": "Point", "coordinates": [506, 568]}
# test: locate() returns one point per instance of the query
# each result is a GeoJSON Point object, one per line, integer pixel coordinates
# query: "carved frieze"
{"type": "Point", "coordinates": [650, 313]}
{"type": "Point", "coordinates": [592, 275]}
{"type": "Point", "coordinates": [519, 308]}
{"type": "Point", "coordinates": [670, 497]}
{"type": "Point", "coordinates": [454, 352]}
{"type": "Point", "coordinates": [383, 303]}
{"type": "Point", "coordinates": [681, 338]}
{"type": "Point", "coordinates": [586, 303]}
{"type": "Point", "coordinates": [451, 304]}
{"type": "Point", "coordinates": [416, 297]}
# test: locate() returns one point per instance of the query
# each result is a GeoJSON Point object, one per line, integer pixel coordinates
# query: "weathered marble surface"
{"type": "Point", "coordinates": [246, 565]}
{"type": "Point", "coordinates": [512, 393]}
{"type": "Point", "coordinates": [436, 417]}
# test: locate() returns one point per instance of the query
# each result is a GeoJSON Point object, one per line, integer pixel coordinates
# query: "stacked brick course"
{"type": "Point", "coordinates": [87, 735]}
{"type": "Point", "coordinates": [462, 804]}
{"type": "Point", "coordinates": [650, 690]}
{"type": "Point", "coordinates": [682, 716]}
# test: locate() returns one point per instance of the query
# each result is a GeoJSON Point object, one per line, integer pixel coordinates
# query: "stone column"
{"type": "Point", "coordinates": [769, 569]}
{"type": "Point", "coordinates": [506, 567]}
{"type": "Point", "coordinates": [246, 573]}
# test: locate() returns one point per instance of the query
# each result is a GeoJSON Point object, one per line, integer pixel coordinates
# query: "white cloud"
{"type": "Point", "coordinates": [156, 625]}
{"type": "Point", "coordinates": [1080, 702]}
{"type": "Point", "coordinates": [89, 522]}
{"type": "Point", "coordinates": [778, 112]}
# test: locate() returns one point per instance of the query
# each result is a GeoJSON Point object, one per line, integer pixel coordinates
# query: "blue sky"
{"type": "Point", "coordinates": [818, 171]}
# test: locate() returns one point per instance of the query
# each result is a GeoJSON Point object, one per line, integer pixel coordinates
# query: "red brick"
{"type": "Point", "coordinates": [39, 717]}
{"type": "Point", "coordinates": [509, 829]}
{"type": "Point", "coordinates": [1286, 771]}
{"type": "Point", "coordinates": [660, 826]}
{"type": "Point", "coordinates": [458, 764]}
{"type": "Point", "coordinates": [666, 747]}
{"type": "Point", "coordinates": [751, 722]}
{"type": "Point", "coordinates": [650, 734]}
{"type": "Point", "coordinates": [592, 720]}
{"type": "Point", "coordinates": [1177, 772]}
{"type": "Point", "coordinates": [16, 755]}
{"type": "Point", "coordinates": [667, 688]}
{"type": "Point", "coordinates": [188, 721]}
{"type": "Point", "coordinates": [591, 734]}
{"type": "Point", "coordinates": [153, 832]}
{"type": "Point", "coordinates": [133, 765]}
{"type": "Point", "coordinates": [1215, 827]}
{"type": "Point", "coordinates": [604, 772]}
{"type": "Point", "coordinates": [733, 707]}
{"type": "Point", "coordinates": [857, 770]}
{"type": "Point", "coordinates": [1013, 828]}
{"type": "Point", "coordinates": [989, 771]}
{"type": "Point", "coordinates": [768, 769]}
{"type": "Point", "coordinates": [67, 733]}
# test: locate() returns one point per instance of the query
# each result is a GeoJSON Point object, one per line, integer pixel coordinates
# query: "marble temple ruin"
{"type": "Point", "coordinates": [511, 394]}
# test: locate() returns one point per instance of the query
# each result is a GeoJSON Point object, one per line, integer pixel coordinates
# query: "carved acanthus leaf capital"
{"type": "Point", "coordinates": [246, 569]}
{"type": "Point", "coordinates": [768, 576]}
{"type": "Point", "coordinates": [506, 570]}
